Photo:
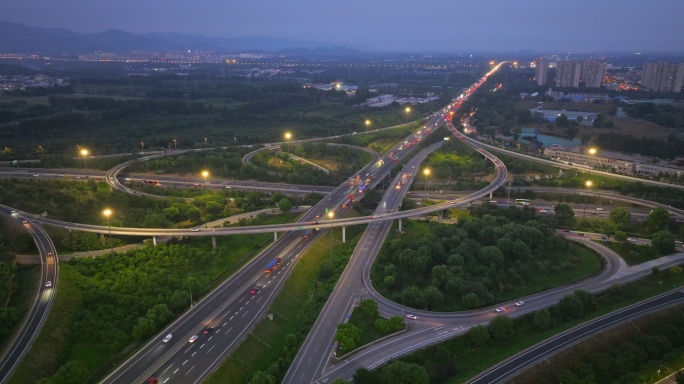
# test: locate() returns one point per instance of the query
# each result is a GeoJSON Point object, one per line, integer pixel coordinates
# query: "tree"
{"type": "Point", "coordinates": [657, 219]}
{"type": "Point", "coordinates": [570, 306]}
{"type": "Point", "coordinates": [620, 216]}
{"type": "Point", "coordinates": [347, 336]}
{"type": "Point", "coordinates": [542, 319]}
{"type": "Point", "coordinates": [564, 212]}
{"type": "Point", "coordinates": [194, 214]}
{"type": "Point", "coordinates": [396, 323]}
{"type": "Point", "coordinates": [401, 372]}
{"type": "Point", "coordinates": [366, 376]}
{"type": "Point", "coordinates": [382, 325]}
{"type": "Point", "coordinates": [562, 120]}
{"type": "Point", "coordinates": [261, 377]}
{"type": "Point", "coordinates": [144, 328]}
{"type": "Point", "coordinates": [571, 131]}
{"type": "Point", "coordinates": [369, 307]}
{"type": "Point", "coordinates": [413, 297]}
{"type": "Point", "coordinates": [501, 327]}
{"type": "Point", "coordinates": [433, 297]}
{"type": "Point", "coordinates": [663, 242]}
{"type": "Point", "coordinates": [517, 131]}
{"type": "Point", "coordinates": [620, 236]}
{"type": "Point", "coordinates": [73, 372]}
{"type": "Point", "coordinates": [478, 335]}
{"type": "Point", "coordinates": [471, 301]}
{"type": "Point", "coordinates": [285, 206]}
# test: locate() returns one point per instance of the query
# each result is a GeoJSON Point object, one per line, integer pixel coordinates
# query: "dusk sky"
{"type": "Point", "coordinates": [426, 25]}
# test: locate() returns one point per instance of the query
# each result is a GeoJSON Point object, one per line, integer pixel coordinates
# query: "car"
{"type": "Point", "coordinates": [315, 222]}
{"type": "Point", "coordinates": [127, 179]}
{"type": "Point", "coordinates": [542, 210]}
{"type": "Point", "coordinates": [49, 253]}
{"type": "Point", "coordinates": [196, 184]}
{"type": "Point", "coordinates": [599, 209]}
{"type": "Point", "coordinates": [36, 174]}
{"type": "Point", "coordinates": [192, 338]}
{"type": "Point", "coordinates": [318, 216]}
{"type": "Point", "coordinates": [580, 234]}
{"type": "Point", "coordinates": [631, 239]}
{"type": "Point", "coordinates": [254, 290]}
{"type": "Point", "coordinates": [493, 201]}
{"type": "Point", "coordinates": [500, 309]}
{"type": "Point", "coordinates": [13, 211]}
{"type": "Point", "coordinates": [207, 329]}
{"type": "Point", "coordinates": [519, 303]}
{"type": "Point", "coordinates": [48, 284]}
{"type": "Point", "coordinates": [500, 166]}
{"type": "Point", "coordinates": [23, 221]}
{"type": "Point", "coordinates": [194, 229]}
{"type": "Point", "coordinates": [566, 230]}
{"type": "Point", "coordinates": [376, 216]}
{"type": "Point", "coordinates": [411, 316]}
{"type": "Point", "coordinates": [167, 338]}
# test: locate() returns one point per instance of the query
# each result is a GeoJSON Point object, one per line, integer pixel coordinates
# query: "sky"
{"type": "Point", "coordinates": [388, 25]}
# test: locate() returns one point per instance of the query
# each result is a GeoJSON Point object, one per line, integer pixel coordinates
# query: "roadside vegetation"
{"type": "Point", "coordinates": [364, 327]}
{"type": "Point", "coordinates": [108, 304]}
{"type": "Point", "coordinates": [295, 310]}
{"type": "Point", "coordinates": [459, 359]}
{"type": "Point", "coordinates": [488, 258]}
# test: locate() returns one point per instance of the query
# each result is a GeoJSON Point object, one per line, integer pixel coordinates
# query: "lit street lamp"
{"type": "Point", "coordinates": [426, 172]}
{"type": "Point", "coordinates": [592, 151]}
{"type": "Point", "coordinates": [368, 122]}
{"type": "Point", "coordinates": [84, 152]}
{"type": "Point", "coordinates": [142, 147]}
{"type": "Point", "coordinates": [174, 143]}
{"type": "Point", "coordinates": [331, 215]}
{"type": "Point", "coordinates": [108, 212]}
{"type": "Point", "coordinates": [584, 212]}
{"type": "Point", "coordinates": [205, 174]}
{"type": "Point", "coordinates": [447, 144]}
{"type": "Point", "coordinates": [407, 113]}
{"type": "Point", "coordinates": [288, 136]}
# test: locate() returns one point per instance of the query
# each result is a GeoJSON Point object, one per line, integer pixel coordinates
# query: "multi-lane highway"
{"type": "Point", "coordinates": [41, 306]}
{"type": "Point", "coordinates": [232, 309]}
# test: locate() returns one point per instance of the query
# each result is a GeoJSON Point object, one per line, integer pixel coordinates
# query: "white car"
{"type": "Point", "coordinates": [167, 338]}
{"type": "Point", "coordinates": [48, 284]}
{"type": "Point", "coordinates": [519, 303]}
{"type": "Point", "coordinates": [493, 201]}
{"type": "Point", "coordinates": [543, 211]}
{"type": "Point", "coordinates": [194, 229]}
{"type": "Point", "coordinates": [412, 317]}
{"type": "Point", "coordinates": [500, 309]}
{"type": "Point", "coordinates": [599, 209]}
{"type": "Point", "coordinates": [192, 338]}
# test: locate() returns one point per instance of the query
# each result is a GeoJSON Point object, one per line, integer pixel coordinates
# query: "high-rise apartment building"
{"type": "Point", "coordinates": [568, 74]}
{"type": "Point", "coordinates": [541, 71]}
{"type": "Point", "coordinates": [662, 76]}
{"type": "Point", "coordinates": [592, 73]}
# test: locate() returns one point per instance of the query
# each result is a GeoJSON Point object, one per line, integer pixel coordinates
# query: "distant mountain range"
{"type": "Point", "coordinates": [19, 38]}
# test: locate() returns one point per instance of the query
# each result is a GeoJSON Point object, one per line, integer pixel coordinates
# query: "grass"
{"type": "Point", "coordinates": [266, 341]}
{"type": "Point", "coordinates": [633, 254]}
{"type": "Point", "coordinates": [472, 362]}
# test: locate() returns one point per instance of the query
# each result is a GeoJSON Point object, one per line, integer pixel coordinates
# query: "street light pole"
{"type": "Point", "coordinates": [584, 212]}
{"type": "Point", "coordinates": [190, 286]}
{"type": "Point", "coordinates": [174, 144]}
{"type": "Point", "coordinates": [331, 215]}
{"type": "Point", "coordinates": [447, 144]}
{"type": "Point", "coordinates": [407, 113]}
{"type": "Point", "coordinates": [367, 124]}
{"type": "Point", "coordinates": [426, 172]}
{"type": "Point", "coordinates": [108, 212]}
{"type": "Point", "coordinates": [142, 147]}
{"type": "Point", "coordinates": [205, 174]}
{"type": "Point", "coordinates": [84, 152]}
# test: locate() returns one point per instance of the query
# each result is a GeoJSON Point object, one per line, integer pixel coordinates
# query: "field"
{"type": "Point", "coordinates": [633, 254]}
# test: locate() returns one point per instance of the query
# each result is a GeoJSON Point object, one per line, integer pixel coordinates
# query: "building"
{"type": "Point", "coordinates": [541, 71]}
{"type": "Point", "coordinates": [662, 76]}
{"type": "Point", "coordinates": [592, 73]}
{"type": "Point", "coordinates": [568, 74]}
{"type": "Point", "coordinates": [622, 166]}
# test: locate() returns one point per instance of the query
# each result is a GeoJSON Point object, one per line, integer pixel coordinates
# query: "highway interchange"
{"type": "Point", "coordinates": [233, 311]}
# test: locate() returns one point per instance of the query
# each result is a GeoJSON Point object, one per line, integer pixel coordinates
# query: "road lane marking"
{"type": "Point", "coordinates": [184, 362]}
{"type": "Point", "coordinates": [201, 345]}
{"type": "Point", "coordinates": [212, 347]}
{"type": "Point", "coordinates": [239, 309]}
{"type": "Point", "coordinates": [167, 368]}
{"type": "Point", "coordinates": [243, 315]}
{"type": "Point", "coordinates": [210, 338]}
{"type": "Point", "coordinates": [231, 318]}
{"type": "Point", "coordinates": [174, 372]}
{"type": "Point", "coordinates": [167, 379]}
{"type": "Point", "coordinates": [229, 330]}
{"type": "Point", "coordinates": [224, 324]}
{"type": "Point", "coordinates": [189, 370]}
{"type": "Point", "coordinates": [193, 354]}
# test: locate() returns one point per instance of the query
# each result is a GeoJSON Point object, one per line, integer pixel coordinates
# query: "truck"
{"type": "Point", "coordinates": [362, 188]}
{"type": "Point", "coordinates": [273, 264]}
{"type": "Point", "coordinates": [347, 203]}
{"type": "Point", "coordinates": [308, 233]}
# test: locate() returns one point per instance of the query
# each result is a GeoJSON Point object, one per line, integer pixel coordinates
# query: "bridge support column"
{"type": "Point", "coordinates": [491, 195]}
{"type": "Point", "coordinates": [275, 236]}
{"type": "Point", "coordinates": [400, 226]}
{"type": "Point", "coordinates": [213, 243]}
{"type": "Point", "coordinates": [154, 240]}
{"type": "Point", "coordinates": [441, 214]}
{"type": "Point", "coordinates": [344, 234]}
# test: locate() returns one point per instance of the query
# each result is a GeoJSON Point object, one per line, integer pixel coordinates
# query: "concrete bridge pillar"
{"type": "Point", "coordinates": [491, 195]}
{"type": "Point", "coordinates": [441, 214]}
{"type": "Point", "coordinates": [154, 240]}
{"type": "Point", "coordinates": [344, 234]}
{"type": "Point", "coordinates": [275, 236]}
{"type": "Point", "coordinates": [400, 226]}
{"type": "Point", "coordinates": [213, 243]}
